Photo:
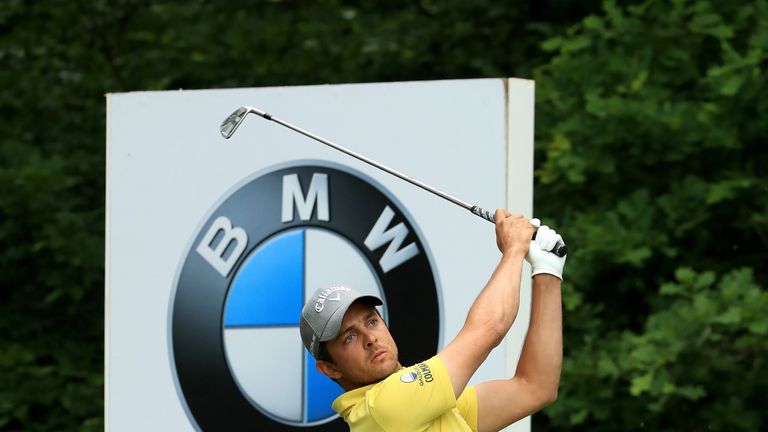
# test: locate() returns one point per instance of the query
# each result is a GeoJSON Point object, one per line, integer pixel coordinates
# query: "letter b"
{"type": "Point", "coordinates": [214, 255]}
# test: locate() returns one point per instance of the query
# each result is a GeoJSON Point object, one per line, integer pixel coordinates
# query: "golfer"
{"type": "Point", "coordinates": [342, 329]}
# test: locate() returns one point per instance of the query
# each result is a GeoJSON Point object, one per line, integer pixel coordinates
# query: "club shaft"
{"type": "Point", "coordinates": [371, 162]}
{"type": "Point", "coordinates": [227, 130]}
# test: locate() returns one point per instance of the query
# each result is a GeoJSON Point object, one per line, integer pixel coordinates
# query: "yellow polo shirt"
{"type": "Point", "coordinates": [413, 399]}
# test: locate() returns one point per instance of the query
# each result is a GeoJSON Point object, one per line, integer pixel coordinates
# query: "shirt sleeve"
{"type": "Point", "coordinates": [467, 406]}
{"type": "Point", "coordinates": [413, 397]}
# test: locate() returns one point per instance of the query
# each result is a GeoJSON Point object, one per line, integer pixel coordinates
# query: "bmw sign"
{"type": "Point", "coordinates": [235, 347]}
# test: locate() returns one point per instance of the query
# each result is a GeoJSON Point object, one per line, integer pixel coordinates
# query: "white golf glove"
{"type": "Point", "coordinates": [539, 257]}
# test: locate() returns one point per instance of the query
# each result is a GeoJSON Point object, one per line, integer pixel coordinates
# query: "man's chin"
{"type": "Point", "coordinates": [387, 368]}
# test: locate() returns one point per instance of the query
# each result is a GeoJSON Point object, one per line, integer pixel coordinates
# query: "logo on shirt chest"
{"type": "Point", "coordinates": [408, 377]}
{"type": "Point", "coordinates": [423, 374]}
{"type": "Point", "coordinates": [263, 249]}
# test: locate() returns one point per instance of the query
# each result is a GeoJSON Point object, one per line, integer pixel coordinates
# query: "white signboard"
{"type": "Point", "coordinates": [213, 244]}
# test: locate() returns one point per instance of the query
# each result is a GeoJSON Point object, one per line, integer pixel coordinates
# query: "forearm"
{"type": "Point", "coordinates": [542, 355]}
{"type": "Point", "coordinates": [489, 318]}
{"type": "Point", "coordinates": [495, 308]}
{"type": "Point", "coordinates": [534, 386]}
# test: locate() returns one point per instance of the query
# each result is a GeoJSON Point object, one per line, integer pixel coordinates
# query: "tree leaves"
{"type": "Point", "coordinates": [650, 129]}
{"type": "Point", "coordinates": [59, 59]}
{"type": "Point", "coordinates": [650, 159]}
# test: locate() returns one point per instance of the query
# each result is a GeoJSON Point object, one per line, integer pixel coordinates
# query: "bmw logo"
{"type": "Point", "coordinates": [263, 249]}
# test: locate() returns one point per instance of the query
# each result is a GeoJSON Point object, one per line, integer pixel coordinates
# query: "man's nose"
{"type": "Point", "coordinates": [370, 338]}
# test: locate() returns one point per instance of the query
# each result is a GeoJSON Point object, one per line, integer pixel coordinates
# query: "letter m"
{"type": "Point", "coordinates": [395, 236]}
{"type": "Point", "coordinates": [316, 196]}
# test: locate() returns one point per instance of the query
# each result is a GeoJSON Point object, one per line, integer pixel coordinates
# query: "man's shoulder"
{"type": "Point", "coordinates": [350, 398]}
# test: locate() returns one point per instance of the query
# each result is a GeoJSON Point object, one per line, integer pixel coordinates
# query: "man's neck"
{"type": "Point", "coordinates": [349, 386]}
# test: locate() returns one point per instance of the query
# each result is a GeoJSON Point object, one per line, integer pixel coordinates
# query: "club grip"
{"type": "Point", "coordinates": [560, 248]}
{"type": "Point", "coordinates": [483, 214]}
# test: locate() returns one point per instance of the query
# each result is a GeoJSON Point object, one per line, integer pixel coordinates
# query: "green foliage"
{"type": "Point", "coordinates": [59, 58]}
{"type": "Point", "coordinates": [651, 130]}
{"type": "Point", "coordinates": [697, 362]}
{"type": "Point", "coordinates": [650, 124]}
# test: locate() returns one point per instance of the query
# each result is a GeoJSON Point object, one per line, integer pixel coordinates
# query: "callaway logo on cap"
{"type": "Point", "coordinates": [331, 294]}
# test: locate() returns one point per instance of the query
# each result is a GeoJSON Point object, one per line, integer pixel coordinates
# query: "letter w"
{"type": "Point", "coordinates": [393, 256]}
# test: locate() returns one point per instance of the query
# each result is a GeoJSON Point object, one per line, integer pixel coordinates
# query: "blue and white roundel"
{"type": "Point", "coordinates": [236, 351]}
{"type": "Point", "coordinates": [261, 321]}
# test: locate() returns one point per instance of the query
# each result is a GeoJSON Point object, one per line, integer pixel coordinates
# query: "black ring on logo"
{"type": "Point", "coordinates": [206, 385]}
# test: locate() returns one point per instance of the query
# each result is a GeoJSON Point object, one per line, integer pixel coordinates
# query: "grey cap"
{"type": "Point", "coordinates": [322, 314]}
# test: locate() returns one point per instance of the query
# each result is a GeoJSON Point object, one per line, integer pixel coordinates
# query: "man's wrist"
{"type": "Point", "coordinates": [546, 279]}
{"type": "Point", "coordinates": [513, 254]}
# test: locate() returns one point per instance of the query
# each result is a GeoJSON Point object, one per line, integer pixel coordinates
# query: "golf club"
{"type": "Point", "coordinates": [231, 123]}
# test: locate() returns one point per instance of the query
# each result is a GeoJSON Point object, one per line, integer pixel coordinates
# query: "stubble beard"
{"type": "Point", "coordinates": [383, 372]}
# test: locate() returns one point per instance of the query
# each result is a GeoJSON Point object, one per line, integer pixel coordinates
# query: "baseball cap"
{"type": "Point", "coordinates": [322, 314]}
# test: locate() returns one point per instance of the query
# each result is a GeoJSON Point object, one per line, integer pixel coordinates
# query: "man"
{"type": "Point", "coordinates": [343, 331]}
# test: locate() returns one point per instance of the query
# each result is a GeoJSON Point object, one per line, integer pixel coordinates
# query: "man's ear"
{"type": "Point", "coordinates": [328, 369]}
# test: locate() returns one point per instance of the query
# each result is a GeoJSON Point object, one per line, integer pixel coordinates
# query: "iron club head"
{"type": "Point", "coordinates": [231, 123]}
